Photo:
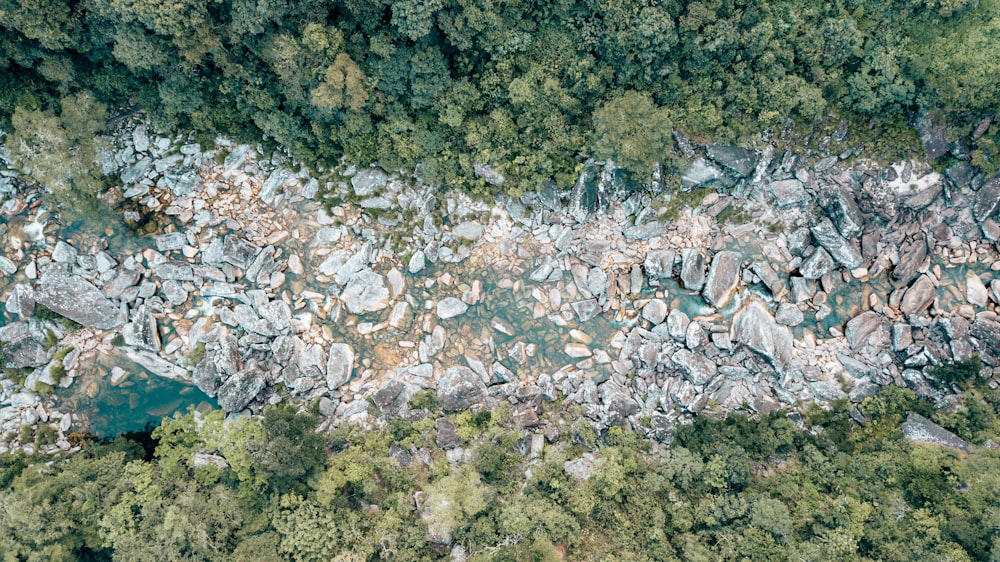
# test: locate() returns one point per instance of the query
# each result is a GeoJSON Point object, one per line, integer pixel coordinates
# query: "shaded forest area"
{"type": "Point", "coordinates": [817, 487]}
{"type": "Point", "coordinates": [528, 86]}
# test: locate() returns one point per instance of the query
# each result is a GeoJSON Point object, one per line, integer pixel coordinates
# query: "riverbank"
{"type": "Point", "coordinates": [774, 280]}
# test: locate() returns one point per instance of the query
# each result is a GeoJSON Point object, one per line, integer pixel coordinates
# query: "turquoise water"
{"type": "Point", "coordinates": [108, 408]}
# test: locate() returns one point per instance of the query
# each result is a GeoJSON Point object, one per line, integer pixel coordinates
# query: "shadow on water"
{"type": "Point", "coordinates": [109, 406]}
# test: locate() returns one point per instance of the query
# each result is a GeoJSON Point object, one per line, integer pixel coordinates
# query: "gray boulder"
{"type": "Point", "coordinates": [839, 204]}
{"type": "Point", "coordinates": [460, 389]}
{"type": "Point", "coordinates": [141, 332]}
{"type": "Point", "coordinates": [655, 311]}
{"type": "Point", "coordinates": [391, 397]}
{"type": "Point", "coordinates": [21, 301]}
{"type": "Point", "coordinates": [238, 251]}
{"type": "Point", "coordinates": [754, 327]}
{"type": "Point", "coordinates": [365, 292]}
{"type": "Point", "coordinates": [788, 193]}
{"type": "Point", "coordinates": [692, 269]}
{"type": "Point", "coordinates": [240, 389]}
{"type": "Point", "coordinates": [737, 160]}
{"type": "Point", "coordinates": [21, 348]}
{"type": "Point", "coordinates": [677, 324]}
{"type": "Point", "coordinates": [488, 173]}
{"type": "Point", "coordinates": [71, 296]}
{"type": "Point", "coordinates": [818, 264]}
{"type": "Point", "coordinates": [368, 181]}
{"type": "Point", "coordinates": [919, 296]}
{"type": "Point", "coordinates": [842, 251]}
{"type": "Point", "coordinates": [987, 200]}
{"type": "Point", "coordinates": [911, 259]}
{"type": "Point", "coordinates": [585, 198]}
{"type": "Point", "coordinates": [659, 264]}
{"type": "Point", "coordinates": [170, 241]}
{"type": "Point", "coordinates": [723, 276]}
{"type": "Point", "coordinates": [701, 173]}
{"type": "Point", "coordinates": [697, 368]}
{"type": "Point", "coordinates": [789, 315]}
{"type": "Point", "coordinates": [339, 366]}
{"type": "Point", "coordinates": [932, 134]}
{"type": "Point", "coordinates": [919, 429]}
{"type": "Point", "coordinates": [866, 329]}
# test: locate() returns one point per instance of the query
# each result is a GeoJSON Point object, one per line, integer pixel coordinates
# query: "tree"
{"type": "Point", "coordinates": [343, 86]}
{"type": "Point", "coordinates": [59, 151]}
{"type": "Point", "coordinates": [633, 131]}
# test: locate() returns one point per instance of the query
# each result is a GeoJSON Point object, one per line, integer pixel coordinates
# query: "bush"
{"type": "Point", "coordinates": [957, 372]}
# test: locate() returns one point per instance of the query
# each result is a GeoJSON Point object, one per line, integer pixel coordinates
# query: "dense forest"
{"type": "Point", "coordinates": [841, 484]}
{"type": "Point", "coordinates": [528, 86]}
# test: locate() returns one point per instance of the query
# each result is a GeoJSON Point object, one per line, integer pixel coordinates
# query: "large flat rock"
{"type": "Point", "coordinates": [71, 296]}
{"type": "Point", "coordinates": [754, 327]}
{"type": "Point", "coordinates": [460, 389]}
{"type": "Point", "coordinates": [723, 277]}
{"type": "Point", "coordinates": [841, 250]}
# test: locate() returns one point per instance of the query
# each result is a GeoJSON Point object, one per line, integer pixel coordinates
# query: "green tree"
{"type": "Point", "coordinates": [59, 150]}
{"type": "Point", "coordinates": [634, 131]}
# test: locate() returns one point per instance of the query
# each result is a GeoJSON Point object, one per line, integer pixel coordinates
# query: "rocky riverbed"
{"type": "Point", "coordinates": [786, 279]}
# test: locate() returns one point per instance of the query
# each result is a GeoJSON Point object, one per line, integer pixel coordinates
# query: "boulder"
{"type": "Point", "coordinates": [737, 160]}
{"type": "Point", "coordinates": [240, 389]}
{"type": "Point", "coordinates": [919, 429]}
{"type": "Point", "coordinates": [468, 230]}
{"type": "Point", "coordinates": [275, 181]}
{"type": "Point", "coordinates": [677, 324]}
{"type": "Point", "coordinates": [237, 251]}
{"type": "Point", "coordinates": [841, 207]}
{"type": "Point", "coordinates": [170, 242]}
{"type": "Point", "coordinates": [818, 264]}
{"type": "Point", "coordinates": [585, 198]}
{"type": "Point", "coordinates": [21, 348]}
{"type": "Point", "coordinates": [697, 368]}
{"type": "Point", "coordinates": [842, 251]}
{"type": "Point", "coordinates": [987, 200]}
{"type": "Point", "coordinates": [391, 397]}
{"type": "Point", "coordinates": [368, 181]}
{"type": "Point", "coordinates": [932, 134]}
{"type": "Point", "coordinates": [417, 262]}
{"type": "Point", "coordinates": [21, 301]}
{"type": "Point", "coordinates": [71, 296]}
{"type": "Point", "coordinates": [659, 264]}
{"type": "Point", "coordinates": [365, 292]}
{"type": "Point", "coordinates": [339, 365]}
{"type": "Point", "coordinates": [723, 276]}
{"type": "Point", "coordinates": [460, 389]}
{"type": "Point", "coordinates": [788, 193]}
{"type": "Point", "coordinates": [64, 253]}
{"type": "Point", "coordinates": [789, 315]}
{"type": "Point", "coordinates": [489, 174]}
{"type": "Point", "coordinates": [142, 332]}
{"type": "Point", "coordinates": [754, 327]}
{"type": "Point", "coordinates": [919, 296]}
{"type": "Point", "coordinates": [866, 329]}
{"type": "Point", "coordinates": [911, 259]}
{"type": "Point", "coordinates": [975, 290]}
{"type": "Point", "coordinates": [247, 319]}
{"type": "Point", "coordinates": [447, 434]}
{"type": "Point", "coordinates": [701, 173]}
{"type": "Point", "coordinates": [692, 269]}
{"type": "Point", "coordinates": [655, 311]}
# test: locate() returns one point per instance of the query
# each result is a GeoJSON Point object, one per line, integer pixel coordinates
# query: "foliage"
{"type": "Point", "coordinates": [956, 372]}
{"type": "Point", "coordinates": [438, 86]}
{"type": "Point", "coordinates": [735, 488]}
